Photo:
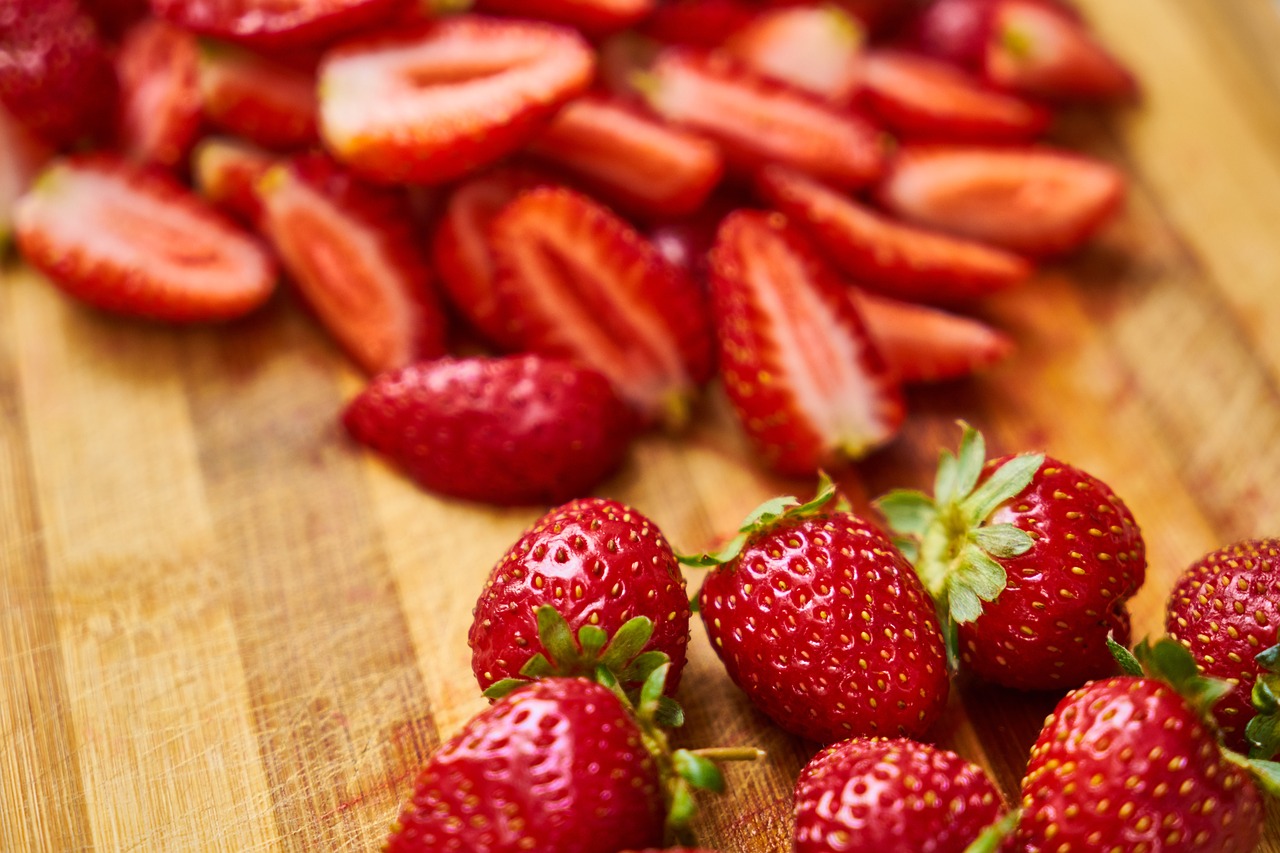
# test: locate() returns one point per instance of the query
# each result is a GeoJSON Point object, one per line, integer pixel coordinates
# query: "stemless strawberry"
{"type": "Point", "coordinates": [434, 102]}
{"type": "Point", "coordinates": [815, 48]}
{"type": "Point", "coordinates": [276, 24]}
{"type": "Point", "coordinates": [136, 242]}
{"type": "Point", "coordinates": [269, 103]}
{"type": "Point", "coordinates": [227, 172]}
{"type": "Point", "coordinates": [355, 256]}
{"type": "Point", "coordinates": [159, 97]}
{"type": "Point", "coordinates": [592, 16]}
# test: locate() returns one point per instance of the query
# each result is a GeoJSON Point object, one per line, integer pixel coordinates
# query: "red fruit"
{"type": "Point", "coordinates": [355, 256]}
{"type": "Point", "coordinates": [136, 242]}
{"type": "Point", "coordinates": [276, 24]}
{"type": "Point", "coordinates": [1225, 609]}
{"type": "Point", "coordinates": [1032, 558]}
{"type": "Point", "coordinates": [892, 795]}
{"type": "Point", "coordinates": [924, 99]}
{"type": "Point", "coordinates": [574, 280]}
{"type": "Point", "coordinates": [432, 103]}
{"type": "Point", "coordinates": [953, 30]}
{"type": "Point", "coordinates": [927, 345]}
{"type": "Point", "coordinates": [518, 430]}
{"type": "Point", "coordinates": [227, 173]}
{"type": "Point", "coordinates": [698, 23]}
{"type": "Point", "coordinates": [823, 624]}
{"type": "Point", "coordinates": [814, 48]}
{"type": "Point", "coordinates": [159, 96]}
{"type": "Point", "coordinates": [1037, 201]}
{"type": "Point", "coordinates": [592, 16]}
{"type": "Point", "coordinates": [113, 17]}
{"type": "Point", "coordinates": [21, 158]}
{"type": "Point", "coordinates": [269, 103]}
{"type": "Point", "coordinates": [599, 565]}
{"type": "Point", "coordinates": [758, 121]}
{"type": "Point", "coordinates": [638, 162]}
{"type": "Point", "coordinates": [886, 255]}
{"type": "Point", "coordinates": [55, 78]}
{"type": "Point", "coordinates": [806, 382]}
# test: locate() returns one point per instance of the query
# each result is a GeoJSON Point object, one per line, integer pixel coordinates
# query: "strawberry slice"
{"type": "Point", "coordinates": [806, 381]}
{"type": "Point", "coordinates": [21, 158]}
{"type": "Point", "coordinates": [227, 173]}
{"type": "Point", "coordinates": [596, 17]}
{"type": "Point", "coordinates": [433, 103]}
{"type": "Point", "coordinates": [135, 241]}
{"type": "Point", "coordinates": [640, 163]}
{"type": "Point", "coordinates": [1038, 201]}
{"type": "Point", "coordinates": [814, 48]}
{"type": "Point", "coordinates": [922, 98]}
{"type": "Point", "coordinates": [896, 259]}
{"type": "Point", "coordinates": [276, 24]}
{"type": "Point", "coordinates": [355, 256]}
{"type": "Point", "coordinates": [698, 23]}
{"type": "Point", "coordinates": [267, 102]}
{"type": "Point", "coordinates": [576, 281]}
{"type": "Point", "coordinates": [924, 344]}
{"type": "Point", "coordinates": [757, 121]}
{"type": "Point", "coordinates": [159, 98]}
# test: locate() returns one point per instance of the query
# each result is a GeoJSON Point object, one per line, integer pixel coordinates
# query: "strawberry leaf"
{"type": "Point", "coordinates": [1170, 661]}
{"type": "Point", "coordinates": [1003, 540]}
{"type": "Point", "coordinates": [992, 838]}
{"type": "Point", "coordinates": [557, 637]}
{"type": "Point", "coordinates": [501, 688]}
{"type": "Point", "coordinates": [763, 517]}
{"type": "Point", "coordinates": [538, 667]}
{"type": "Point", "coordinates": [1263, 731]}
{"type": "Point", "coordinates": [1008, 481]}
{"type": "Point", "coordinates": [701, 773]}
{"type": "Point", "coordinates": [1129, 664]}
{"type": "Point", "coordinates": [969, 459]}
{"type": "Point", "coordinates": [643, 665]}
{"type": "Point", "coordinates": [669, 713]}
{"type": "Point", "coordinates": [592, 639]}
{"type": "Point", "coordinates": [944, 483]}
{"type": "Point", "coordinates": [651, 692]}
{"type": "Point", "coordinates": [682, 807]}
{"type": "Point", "coordinates": [978, 578]}
{"type": "Point", "coordinates": [908, 512]}
{"type": "Point", "coordinates": [1267, 774]}
{"type": "Point", "coordinates": [627, 643]}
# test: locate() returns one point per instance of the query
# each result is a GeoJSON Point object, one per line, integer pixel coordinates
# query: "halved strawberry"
{"type": "Point", "coordinates": [355, 257]}
{"type": "Point", "coordinates": [21, 158]}
{"type": "Point", "coordinates": [159, 98]}
{"type": "Point", "coordinates": [1038, 201]}
{"type": "Point", "coordinates": [227, 172]}
{"type": "Point", "coordinates": [276, 24]}
{"type": "Point", "coordinates": [435, 102]}
{"type": "Point", "coordinates": [896, 259]}
{"type": "Point", "coordinates": [642, 164]}
{"type": "Point", "coordinates": [698, 23]}
{"type": "Point", "coordinates": [814, 48]}
{"type": "Point", "coordinates": [267, 102]}
{"type": "Point", "coordinates": [924, 344]}
{"type": "Point", "coordinates": [574, 280]}
{"type": "Point", "coordinates": [923, 98]}
{"type": "Point", "coordinates": [591, 16]}
{"type": "Point", "coordinates": [806, 381]}
{"type": "Point", "coordinates": [135, 241]}
{"type": "Point", "coordinates": [757, 121]}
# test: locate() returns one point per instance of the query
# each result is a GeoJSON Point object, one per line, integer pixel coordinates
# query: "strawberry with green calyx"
{"type": "Point", "coordinates": [1030, 561]}
{"type": "Point", "coordinates": [1263, 731]}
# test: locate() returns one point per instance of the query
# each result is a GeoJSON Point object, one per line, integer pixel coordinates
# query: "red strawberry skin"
{"type": "Point", "coordinates": [1126, 760]}
{"type": "Point", "coordinates": [276, 24]}
{"type": "Point", "coordinates": [596, 17]}
{"type": "Point", "coordinates": [1225, 608]}
{"type": "Point", "coordinates": [892, 795]}
{"type": "Point", "coordinates": [598, 562]}
{"type": "Point", "coordinates": [159, 95]}
{"type": "Point", "coordinates": [517, 430]}
{"type": "Point", "coordinates": [558, 765]}
{"type": "Point", "coordinates": [826, 628]}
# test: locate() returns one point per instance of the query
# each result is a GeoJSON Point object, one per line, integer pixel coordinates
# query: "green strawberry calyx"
{"type": "Point", "coordinates": [1263, 731]}
{"type": "Point", "coordinates": [993, 837]}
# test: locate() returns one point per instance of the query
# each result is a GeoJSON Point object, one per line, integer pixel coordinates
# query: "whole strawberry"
{"type": "Point", "coordinates": [821, 622]}
{"type": "Point", "coordinates": [1031, 558]}
{"type": "Point", "coordinates": [516, 430]}
{"type": "Point", "coordinates": [892, 796]}
{"type": "Point", "coordinates": [1225, 609]}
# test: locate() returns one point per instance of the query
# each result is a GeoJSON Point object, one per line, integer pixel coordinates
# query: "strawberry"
{"type": "Point", "coordinates": [134, 241]}
{"type": "Point", "coordinates": [355, 256]}
{"type": "Point", "coordinates": [576, 281]}
{"type": "Point", "coordinates": [924, 344]}
{"type": "Point", "coordinates": [114, 17]}
{"type": "Point", "coordinates": [227, 172]}
{"type": "Point", "coordinates": [814, 48]}
{"type": "Point", "coordinates": [21, 158]}
{"type": "Point", "coordinates": [591, 583]}
{"type": "Point", "coordinates": [267, 102]}
{"type": "Point", "coordinates": [432, 103]}
{"type": "Point", "coordinates": [1032, 559]}
{"type": "Point", "coordinates": [1037, 201]}
{"type": "Point", "coordinates": [1225, 608]}
{"type": "Point", "coordinates": [757, 121]}
{"type": "Point", "coordinates": [55, 78]}
{"type": "Point", "coordinates": [823, 624]}
{"type": "Point", "coordinates": [591, 16]}
{"type": "Point", "coordinates": [630, 158]}
{"type": "Point", "coordinates": [805, 380]}
{"type": "Point", "coordinates": [276, 24]}
{"type": "Point", "coordinates": [894, 795]}
{"type": "Point", "coordinates": [924, 99]}
{"type": "Point", "coordinates": [698, 23]}
{"type": "Point", "coordinates": [888, 256]}
{"type": "Point", "coordinates": [159, 98]}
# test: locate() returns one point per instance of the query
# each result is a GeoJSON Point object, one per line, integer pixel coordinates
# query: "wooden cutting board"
{"type": "Point", "coordinates": [223, 627]}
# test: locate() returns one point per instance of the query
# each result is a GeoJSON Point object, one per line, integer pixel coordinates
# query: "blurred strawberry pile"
{"type": "Point", "coordinates": [627, 198]}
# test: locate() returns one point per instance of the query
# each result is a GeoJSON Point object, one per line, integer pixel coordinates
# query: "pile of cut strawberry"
{"type": "Point", "coordinates": [616, 200]}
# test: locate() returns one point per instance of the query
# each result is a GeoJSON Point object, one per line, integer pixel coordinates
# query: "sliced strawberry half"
{"type": "Point", "coordinates": [227, 173]}
{"type": "Point", "coordinates": [1038, 201]}
{"type": "Point", "coordinates": [806, 381]}
{"type": "Point", "coordinates": [159, 96]}
{"type": "Point", "coordinates": [817, 49]}
{"type": "Point", "coordinates": [592, 16]}
{"type": "Point", "coordinates": [277, 24]}
{"type": "Point", "coordinates": [922, 344]}
{"type": "Point", "coordinates": [923, 98]}
{"type": "Point", "coordinates": [576, 281]}
{"type": "Point", "coordinates": [134, 241]}
{"type": "Point", "coordinates": [698, 23]}
{"type": "Point", "coordinates": [435, 102]}
{"type": "Point", "coordinates": [757, 121]}
{"type": "Point", "coordinates": [21, 158]}
{"type": "Point", "coordinates": [896, 259]}
{"type": "Point", "coordinates": [269, 103]}
{"type": "Point", "coordinates": [641, 164]}
{"type": "Point", "coordinates": [355, 257]}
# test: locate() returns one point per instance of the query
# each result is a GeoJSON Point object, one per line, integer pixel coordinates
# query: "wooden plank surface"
{"type": "Point", "coordinates": [224, 628]}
